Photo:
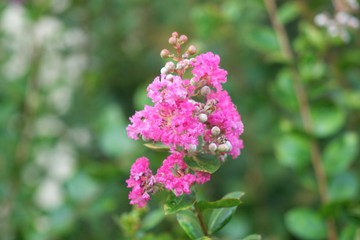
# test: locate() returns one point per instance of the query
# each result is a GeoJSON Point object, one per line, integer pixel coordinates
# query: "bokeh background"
{"type": "Point", "coordinates": [73, 71]}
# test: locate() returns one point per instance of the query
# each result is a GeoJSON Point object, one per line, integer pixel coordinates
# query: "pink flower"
{"type": "Point", "coordinates": [141, 181]}
{"type": "Point", "coordinates": [227, 118]}
{"type": "Point", "coordinates": [168, 89]}
{"type": "Point", "coordinates": [173, 124]}
{"type": "Point", "coordinates": [175, 176]}
{"type": "Point", "coordinates": [206, 67]}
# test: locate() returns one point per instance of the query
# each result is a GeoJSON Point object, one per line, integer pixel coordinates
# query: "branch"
{"type": "Point", "coordinates": [304, 108]}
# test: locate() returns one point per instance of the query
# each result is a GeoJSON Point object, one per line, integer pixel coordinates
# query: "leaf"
{"type": "Point", "coordinates": [263, 39]}
{"type": "Point", "coordinates": [203, 162]}
{"type": "Point", "coordinates": [340, 153]}
{"type": "Point", "coordinates": [175, 204]}
{"type": "Point", "coordinates": [113, 139]}
{"type": "Point", "coordinates": [283, 91]}
{"type": "Point", "coordinates": [343, 187]}
{"type": "Point", "coordinates": [157, 147]}
{"type": "Point", "coordinates": [293, 150]}
{"type": "Point", "coordinates": [189, 224]}
{"type": "Point", "coordinates": [305, 223]}
{"type": "Point", "coordinates": [152, 219]}
{"type": "Point", "coordinates": [220, 217]}
{"type": "Point", "coordinates": [222, 203]}
{"type": "Point", "coordinates": [288, 12]}
{"type": "Point", "coordinates": [252, 237]}
{"type": "Point", "coordinates": [327, 119]}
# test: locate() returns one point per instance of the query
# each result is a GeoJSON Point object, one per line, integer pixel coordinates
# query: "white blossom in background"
{"type": "Point", "coordinates": [339, 25]}
{"type": "Point", "coordinates": [59, 6]}
{"type": "Point", "coordinates": [80, 136]}
{"type": "Point", "coordinates": [58, 162]}
{"type": "Point", "coordinates": [16, 32]}
{"type": "Point", "coordinates": [49, 194]}
{"type": "Point", "coordinates": [49, 125]}
{"type": "Point", "coordinates": [353, 4]}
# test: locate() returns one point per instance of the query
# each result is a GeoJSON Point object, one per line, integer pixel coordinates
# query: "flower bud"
{"type": "Point", "coordinates": [212, 147]}
{"type": "Point", "coordinates": [192, 82]}
{"type": "Point", "coordinates": [175, 34]}
{"type": "Point", "coordinates": [186, 62]}
{"type": "Point", "coordinates": [164, 53]}
{"type": "Point", "coordinates": [205, 90]}
{"type": "Point", "coordinates": [169, 77]}
{"type": "Point", "coordinates": [191, 50]}
{"type": "Point", "coordinates": [192, 148]}
{"type": "Point", "coordinates": [223, 147]}
{"type": "Point", "coordinates": [203, 117]}
{"type": "Point", "coordinates": [170, 66]}
{"type": "Point", "coordinates": [163, 70]}
{"type": "Point", "coordinates": [215, 131]}
{"type": "Point", "coordinates": [223, 157]}
{"type": "Point", "coordinates": [228, 143]}
{"type": "Point", "coordinates": [183, 38]}
{"type": "Point", "coordinates": [172, 40]}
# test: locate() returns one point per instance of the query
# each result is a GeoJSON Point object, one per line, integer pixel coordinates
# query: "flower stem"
{"type": "Point", "coordinates": [304, 109]}
{"type": "Point", "coordinates": [201, 220]}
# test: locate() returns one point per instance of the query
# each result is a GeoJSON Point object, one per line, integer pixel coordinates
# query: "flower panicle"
{"type": "Point", "coordinates": [189, 115]}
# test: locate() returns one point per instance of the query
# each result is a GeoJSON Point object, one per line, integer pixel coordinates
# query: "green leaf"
{"type": "Point", "coordinates": [283, 91]}
{"type": "Point", "coordinates": [175, 204]}
{"type": "Point", "coordinates": [204, 238]}
{"type": "Point", "coordinates": [157, 147]}
{"type": "Point", "coordinates": [327, 119]}
{"type": "Point", "coordinates": [221, 216]}
{"type": "Point", "coordinates": [288, 12]}
{"type": "Point", "coordinates": [343, 187]}
{"type": "Point", "coordinates": [203, 162]}
{"type": "Point", "coordinates": [152, 219]}
{"type": "Point", "coordinates": [189, 224]}
{"type": "Point", "coordinates": [112, 136]}
{"type": "Point", "coordinates": [222, 203]}
{"type": "Point", "coordinates": [263, 39]}
{"type": "Point", "coordinates": [293, 150]}
{"type": "Point", "coordinates": [305, 223]}
{"type": "Point", "coordinates": [340, 153]}
{"type": "Point", "coordinates": [252, 237]}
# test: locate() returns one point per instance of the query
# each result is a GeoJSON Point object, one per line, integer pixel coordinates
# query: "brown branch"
{"type": "Point", "coordinates": [304, 108]}
{"type": "Point", "coordinates": [201, 220]}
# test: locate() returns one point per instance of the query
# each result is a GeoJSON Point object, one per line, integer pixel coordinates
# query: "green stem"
{"type": "Point", "coordinates": [201, 220]}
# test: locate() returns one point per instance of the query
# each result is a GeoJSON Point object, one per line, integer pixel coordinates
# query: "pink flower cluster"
{"type": "Point", "coordinates": [189, 116]}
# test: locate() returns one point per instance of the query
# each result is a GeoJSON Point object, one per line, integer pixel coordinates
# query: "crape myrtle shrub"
{"type": "Point", "coordinates": [73, 72]}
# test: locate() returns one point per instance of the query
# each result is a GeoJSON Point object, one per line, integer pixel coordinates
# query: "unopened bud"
{"type": "Point", "coordinates": [172, 40]}
{"type": "Point", "coordinates": [191, 50]}
{"type": "Point", "coordinates": [203, 117]}
{"type": "Point", "coordinates": [228, 143]}
{"type": "Point", "coordinates": [183, 38]}
{"type": "Point", "coordinates": [170, 66]}
{"type": "Point", "coordinates": [223, 157]}
{"type": "Point", "coordinates": [164, 53]}
{"type": "Point", "coordinates": [192, 148]}
{"type": "Point", "coordinates": [163, 70]}
{"type": "Point", "coordinates": [175, 34]}
{"type": "Point", "coordinates": [192, 82]}
{"type": "Point", "coordinates": [205, 90]}
{"type": "Point", "coordinates": [223, 148]}
{"type": "Point", "coordinates": [215, 131]}
{"type": "Point", "coordinates": [212, 147]}
{"type": "Point", "coordinates": [169, 77]}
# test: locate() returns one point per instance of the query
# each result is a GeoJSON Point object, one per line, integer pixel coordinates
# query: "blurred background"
{"type": "Point", "coordinates": [73, 71]}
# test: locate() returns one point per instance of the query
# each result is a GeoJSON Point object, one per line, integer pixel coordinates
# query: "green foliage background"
{"type": "Point", "coordinates": [72, 72]}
